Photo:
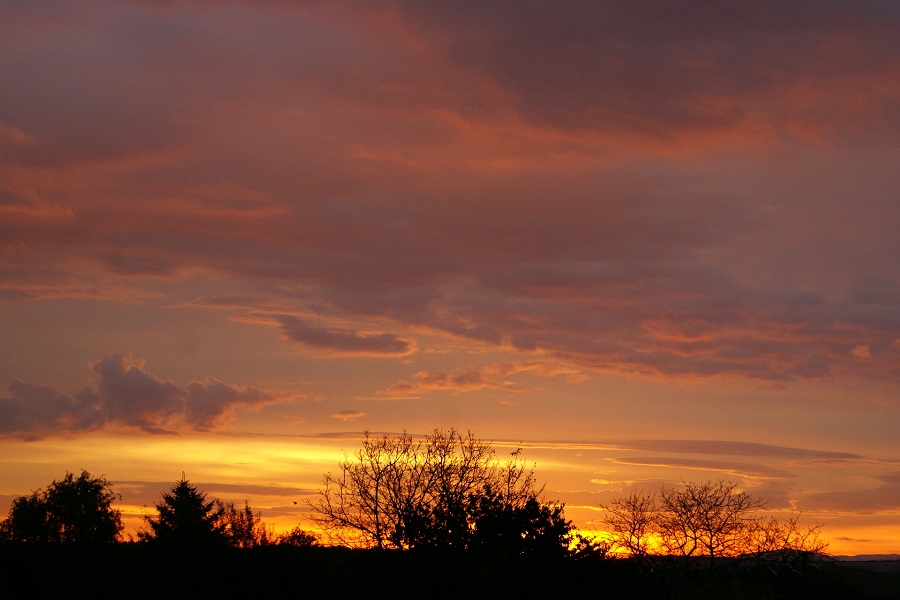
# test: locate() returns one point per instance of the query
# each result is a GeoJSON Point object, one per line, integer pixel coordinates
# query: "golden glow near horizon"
{"type": "Point", "coordinates": [278, 475]}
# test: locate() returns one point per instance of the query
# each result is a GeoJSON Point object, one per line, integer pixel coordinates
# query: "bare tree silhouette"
{"type": "Point", "coordinates": [447, 490]}
{"type": "Point", "coordinates": [710, 519]}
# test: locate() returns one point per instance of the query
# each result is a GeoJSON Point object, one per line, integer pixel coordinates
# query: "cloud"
{"type": "Point", "coordinates": [146, 494]}
{"type": "Point", "coordinates": [348, 415]}
{"type": "Point", "coordinates": [459, 380]}
{"type": "Point", "coordinates": [153, 488]}
{"type": "Point", "coordinates": [27, 205]}
{"type": "Point", "coordinates": [126, 395]}
{"type": "Point", "coordinates": [342, 342]}
{"type": "Point", "coordinates": [607, 186]}
{"type": "Point", "coordinates": [871, 500]}
{"type": "Point", "coordinates": [861, 351]}
{"type": "Point", "coordinates": [667, 70]}
{"type": "Point", "coordinates": [701, 447]}
{"type": "Point", "coordinates": [734, 448]}
{"type": "Point", "coordinates": [469, 379]}
{"type": "Point", "coordinates": [734, 468]}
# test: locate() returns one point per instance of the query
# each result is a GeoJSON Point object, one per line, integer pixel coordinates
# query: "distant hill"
{"type": "Point", "coordinates": [868, 557]}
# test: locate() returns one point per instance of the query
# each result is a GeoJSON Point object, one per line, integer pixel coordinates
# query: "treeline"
{"type": "Point", "coordinates": [79, 511]}
{"type": "Point", "coordinates": [707, 521]}
{"type": "Point", "coordinates": [441, 512]}
{"type": "Point", "coordinates": [447, 490]}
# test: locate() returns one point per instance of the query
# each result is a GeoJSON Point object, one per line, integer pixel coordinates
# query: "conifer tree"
{"type": "Point", "coordinates": [186, 518]}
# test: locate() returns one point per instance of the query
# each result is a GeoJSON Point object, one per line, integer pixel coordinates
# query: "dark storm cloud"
{"type": "Point", "coordinates": [125, 395]}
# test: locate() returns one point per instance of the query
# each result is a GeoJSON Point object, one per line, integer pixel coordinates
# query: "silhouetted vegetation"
{"type": "Point", "coordinates": [706, 536]}
{"type": "Point", "coordinates": [244, 529]}
{"type": "Point", "coordinates": [149, 570]}
{"type": "Point", "coordinates": [185, 518]}
{"type": "Point", "coordinates": [297, 538]}
{"type": "Point", "coordinates": [74, 510]}
{"type": "Point", "coordinates": [453, 523]}
{"type": "Point", "coordinates": [708, 520]}
{"type": "Point", "coordinates": [447, 491]}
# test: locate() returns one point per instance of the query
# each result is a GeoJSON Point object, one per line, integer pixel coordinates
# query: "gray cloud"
{"type": "Point", "coordinates": [125, 395]}
{"type": "Point", "coordinates": [343, 341]}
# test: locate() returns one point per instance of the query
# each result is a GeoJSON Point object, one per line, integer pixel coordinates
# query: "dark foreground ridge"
{"type": "Point", "coordinates": [141, 570]}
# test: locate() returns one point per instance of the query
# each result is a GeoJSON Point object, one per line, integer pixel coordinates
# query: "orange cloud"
{"type": "Point", "coordinates": [468, 379]}
{"type": "Point", "coordinates": [348, 415]}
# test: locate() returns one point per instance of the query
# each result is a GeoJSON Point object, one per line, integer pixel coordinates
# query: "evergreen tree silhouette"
{"type": "Point", "coordinates": [186, 518]}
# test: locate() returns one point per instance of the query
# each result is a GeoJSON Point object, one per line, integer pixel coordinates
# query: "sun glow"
{"type": "Point", "coordinates": [276, 475]}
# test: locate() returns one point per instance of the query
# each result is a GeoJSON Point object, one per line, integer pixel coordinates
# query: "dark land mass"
{"type": "Point", "coordinates": [143, 571]}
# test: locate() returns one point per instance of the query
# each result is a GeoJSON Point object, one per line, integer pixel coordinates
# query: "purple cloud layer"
{"type": "Point", "coordinates": [640, 188]}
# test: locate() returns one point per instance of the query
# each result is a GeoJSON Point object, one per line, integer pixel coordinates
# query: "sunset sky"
{"type": "Point", "coordinates": [645, 241]}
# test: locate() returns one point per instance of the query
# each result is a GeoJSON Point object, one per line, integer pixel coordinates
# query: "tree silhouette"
{"type": "Point", "coordinates": [74, 510]}
{"type": "Point", "coordinates": [27, 520]}
{"type": "Point", "coordinates": [711, 520]}
{"type": "Point", "coordinates": [243, 528]}
{"type": "Point", "coordinates": [523, 527]}
{"type": "Point", "coordinates": [632, 521]}
{"type": "Point", "coordinates": [708, 519]}
{"type": "Point", "coordinates": [186, 518]}
{"type": "Point", "coordinates": [298, 538]}
{"type": "Point", "coordinates": [445, 491]}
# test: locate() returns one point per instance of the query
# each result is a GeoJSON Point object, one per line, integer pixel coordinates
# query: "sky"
{"type": "Point", "coordinates": [647, 242]}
